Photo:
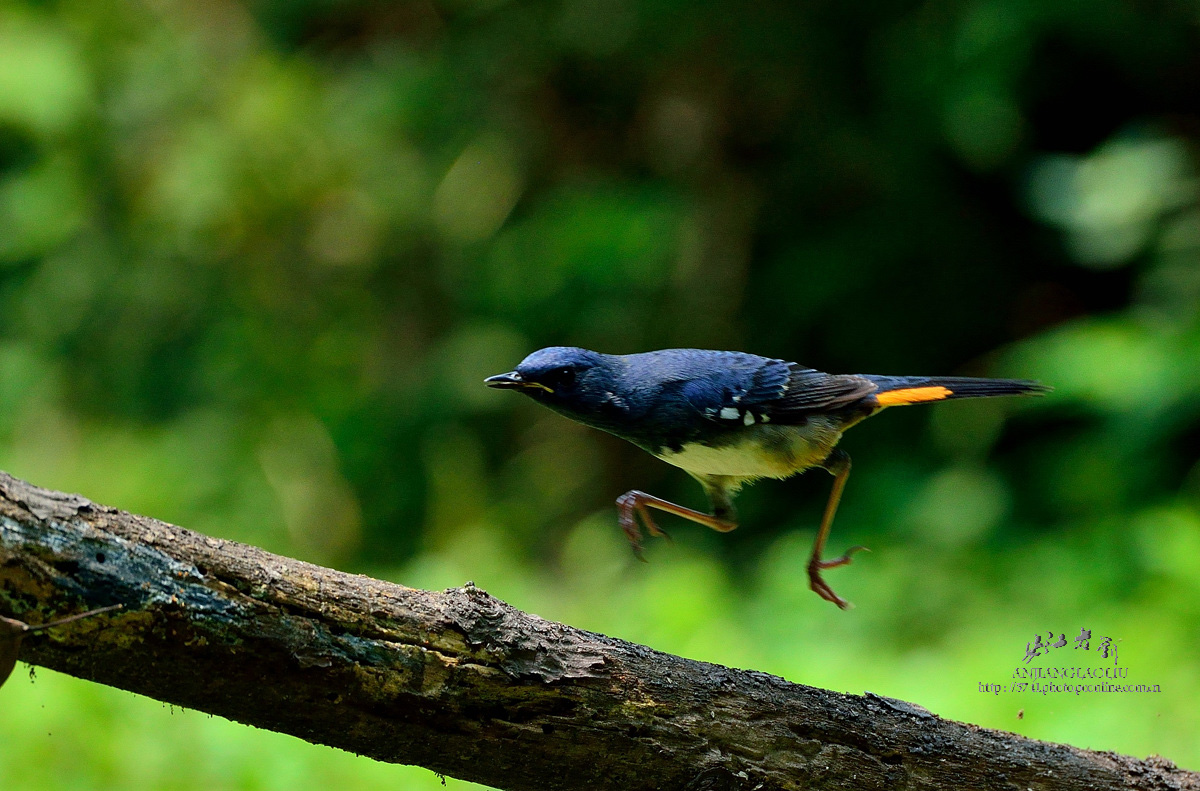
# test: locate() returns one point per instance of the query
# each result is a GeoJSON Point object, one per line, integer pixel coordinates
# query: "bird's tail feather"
{"type": "Point", "coordinates": [897, 390]}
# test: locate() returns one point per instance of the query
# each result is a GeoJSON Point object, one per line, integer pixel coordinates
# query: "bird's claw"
{"type": "Point", "coordinates": [630, 508]}
{"type": "Point", "coordinates": [634, 534]}
{"type": "Point", "coordinates": [819, 586]}
{"type": "Point", "coordinates": [844, 560]}
{"type": "Point", "coordinates": [627, 508]}
{"type": "Point", "coordinates": [651, 526]}
{"type": "Point", "coordinates": [825, 592]}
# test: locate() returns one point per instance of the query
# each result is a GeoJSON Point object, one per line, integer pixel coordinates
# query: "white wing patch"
{"type": "Point", "coordinates": [743, 416]}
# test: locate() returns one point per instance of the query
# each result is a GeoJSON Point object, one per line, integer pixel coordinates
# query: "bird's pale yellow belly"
{"type": "Point", "coordinates": [762, 452]}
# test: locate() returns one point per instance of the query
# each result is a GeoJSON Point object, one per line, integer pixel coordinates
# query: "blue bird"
{"type": "Point", "coordinates": [728, 418]}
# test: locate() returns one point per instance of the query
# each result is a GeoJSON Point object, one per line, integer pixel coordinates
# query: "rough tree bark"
{"type": "Point", "coordinates": [466, 685]}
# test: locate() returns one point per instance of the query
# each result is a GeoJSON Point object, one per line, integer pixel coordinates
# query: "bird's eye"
{"type": "Point", "coordinates": [562, 377]}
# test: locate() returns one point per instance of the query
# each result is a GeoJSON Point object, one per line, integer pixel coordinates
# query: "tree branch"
{"type": "Point", "coordinates": [464, 684]}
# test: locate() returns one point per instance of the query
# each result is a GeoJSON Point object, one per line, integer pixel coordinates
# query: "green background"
{"type": "Point", "coordinates": [256, 258]}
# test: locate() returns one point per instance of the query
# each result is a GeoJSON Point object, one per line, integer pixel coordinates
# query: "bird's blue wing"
{"type": "Point", "coordinates": [753, 389]}
{"type": "Point", "coordinates": [809, 390]}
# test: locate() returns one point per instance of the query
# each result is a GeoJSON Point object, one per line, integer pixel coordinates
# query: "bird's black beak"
{"type": "Point", "coordinates": [512, 381]}
{"type": "Point", "coordinates": [508, 381]}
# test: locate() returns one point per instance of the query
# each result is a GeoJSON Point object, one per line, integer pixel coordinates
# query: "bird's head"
{"type": "Point", "coordinates": [562, 377]}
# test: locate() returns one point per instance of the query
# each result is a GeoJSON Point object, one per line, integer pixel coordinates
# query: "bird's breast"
{"type": "Point", "coordinates": [762, 451]}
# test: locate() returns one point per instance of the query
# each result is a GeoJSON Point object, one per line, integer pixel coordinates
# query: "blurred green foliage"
{"type": "Point", "coordinates": [256, 258]}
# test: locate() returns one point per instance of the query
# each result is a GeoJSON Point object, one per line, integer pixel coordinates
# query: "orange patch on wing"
{"type": "Point", "coordinates": [913, 395]}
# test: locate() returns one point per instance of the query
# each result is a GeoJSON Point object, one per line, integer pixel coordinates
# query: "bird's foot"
{"type": "Point", "coordinates": [818, 584]}
{"type": "Point", "coordinates": [628, 508]}
{"type": "Point", "coordinates": [635, 504]}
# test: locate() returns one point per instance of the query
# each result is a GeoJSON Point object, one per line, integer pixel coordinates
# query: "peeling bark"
{"type": "Point", "coordinates": [466, 685]}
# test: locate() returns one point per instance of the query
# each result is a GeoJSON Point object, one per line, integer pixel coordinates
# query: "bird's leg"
{"type": "Point", "coordinates": [632, 504]}
{"type": "Point", "coordinates": [838, 465]}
